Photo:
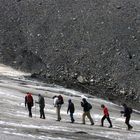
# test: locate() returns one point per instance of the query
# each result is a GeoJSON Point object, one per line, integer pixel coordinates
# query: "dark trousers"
{"type": "Point", "coordinates": [42, 114]}
{"type": "Point", "coordinates": [30, 109]}
{"type": "Point", "coordinates": [71, 116]}
{"type": "Point", "coordinates": [127, 122]}
{"type": "Point", "coordinates": [106, 117]}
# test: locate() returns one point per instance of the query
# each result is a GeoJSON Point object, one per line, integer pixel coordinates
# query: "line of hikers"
{"type": "Point", "coordinates": [58, 101]}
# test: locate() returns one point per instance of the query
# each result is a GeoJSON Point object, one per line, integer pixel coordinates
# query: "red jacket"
{"type": "Point", "coordinates": [105, 110]}
{"type": "Point", "coordinates": [29, 99]}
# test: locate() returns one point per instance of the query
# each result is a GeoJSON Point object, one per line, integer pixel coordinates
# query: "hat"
{"type": "Point", "coordinates": [84, 100]}
{"type": "Point", "coordinates": [69, 100]}
{"type": "Point", "coordinates": [124, 104]}
{"type": "Point", "coordinates": [102, 106]}
{"type": "Point", "coordinates": [54, 97]}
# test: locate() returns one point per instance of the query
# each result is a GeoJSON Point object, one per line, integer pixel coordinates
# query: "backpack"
{"type": "Point", "coordinates": [89, 106]}
{"type": "Point", "coordinates": [30, 99]}
{"type": "Point", "coordinates": [60, 100]}
{"type": "Point", "coordinates": [130, 110]}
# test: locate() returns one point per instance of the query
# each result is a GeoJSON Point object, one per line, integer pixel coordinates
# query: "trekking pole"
{"type": "Point", "coordinates": [35, 109]}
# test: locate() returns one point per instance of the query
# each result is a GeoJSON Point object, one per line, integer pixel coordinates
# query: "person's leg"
{"type": "Point", "coordinates": [58, 113]}
{"type": "Point", "coordinates": [40, 112]}
{"type": "Point", "coordinates": [71, 116]}
{"type": "Point", "coordinates": [90, 118]}
{"type": "Point", "coordinates": [102, 120]}
{"type": "Point", "coordinates": [83, 117]}
{"type": "Point", "coordinates": [30, 110]}
{"type": "Point", "coordinates": [127, 122]}
{"type": "Point", "coordinates": [43, 114]}
{"type": "Point", "coordinates": [108, 118]}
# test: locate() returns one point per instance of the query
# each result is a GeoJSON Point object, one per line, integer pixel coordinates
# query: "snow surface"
{"type": "Point", "coordinates": [16, 125]}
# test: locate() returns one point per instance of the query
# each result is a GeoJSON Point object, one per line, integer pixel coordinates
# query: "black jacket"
{"type": "Point", "coordinates": [85, 106]}
{"type": "Point", "coordinates": [71, 107]}
{"type": "Point", "coordinates": [41, 101]}
{"type": "Point", "coordinates": [126, 112]}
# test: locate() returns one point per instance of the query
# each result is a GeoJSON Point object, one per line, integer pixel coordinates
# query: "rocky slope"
{"type": "Point", "coordinates": [91, 45]}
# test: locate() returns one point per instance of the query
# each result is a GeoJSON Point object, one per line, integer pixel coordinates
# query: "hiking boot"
{"type": "Point", "coordinates": [73, 121]}
{"type": "Point", "coordinates": [58, 120]}
{"type": "Point", "coordinates": [92, 123]}
{"type": "Point", "coordinates": [130, 128]}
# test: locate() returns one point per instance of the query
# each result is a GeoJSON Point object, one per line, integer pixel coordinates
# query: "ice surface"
{"type": "Point", "coordinates": [16, 125]}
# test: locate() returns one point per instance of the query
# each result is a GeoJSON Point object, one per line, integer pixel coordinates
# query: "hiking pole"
{"type": "Point", "coordinates": [35, 109]}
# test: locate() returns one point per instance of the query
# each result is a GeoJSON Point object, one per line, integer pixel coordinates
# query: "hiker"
{"type": "Point", "coordinates": [127, 113]}
{"type": "Point", "coordinates": [58, 101]}
{"type": "Point", "coordinates": [86, 111]}
{"type": "Point", "coordinates": [71, 109]}
{"type": "Point", "coordinates": [106, 116]}
{"type": "Point", "coordinates": [29, 103]}
{"type": "Point", "coordinates": [41, 103]}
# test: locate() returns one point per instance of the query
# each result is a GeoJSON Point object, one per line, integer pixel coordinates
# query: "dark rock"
{"type": "Point", "coordinates": [118, 7]}
{"type": "Point", "coordinates": [137, 68]}
{"type": "Point", "coordinates": [34, 75]}
{"type": "Point", "coordinates": [40, 3]}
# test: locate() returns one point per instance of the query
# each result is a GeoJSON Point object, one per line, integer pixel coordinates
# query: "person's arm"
{"type": "Point", "coordinates": [122, 112]}
{"type": "Point", "coordinates": [73, 108]}
{"type": "Point", "coordinates": [32, 101]}
{"type": "Point", "coordinates": [39, 101]}
{"type": "Point", "coordinates": [55, 102]}
{"type": "Point", "coordinates": [36, 102]}
{"type": "Point", "coordinates": [25, 100]}
{"type": "Point", "coordinates": [68, 109]}
{"type": "Point", "coordinates": [82, 104]}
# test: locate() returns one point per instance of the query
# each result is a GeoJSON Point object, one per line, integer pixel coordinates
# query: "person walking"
{"type": "Point", "coordinates": [29, 103]}
{"type": "Point", "coordinates": [86, 111]}
{"type": "Point", "coordinates": [127, 113]}
{"type": "Point", "coordinates": [41, 103]}
{"type": "Point", "coordinates": [106, 116]}
{"type": "Point", "coordinates": [71, 109]}
{"type": "Point", "coordinates": [58, 101]}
